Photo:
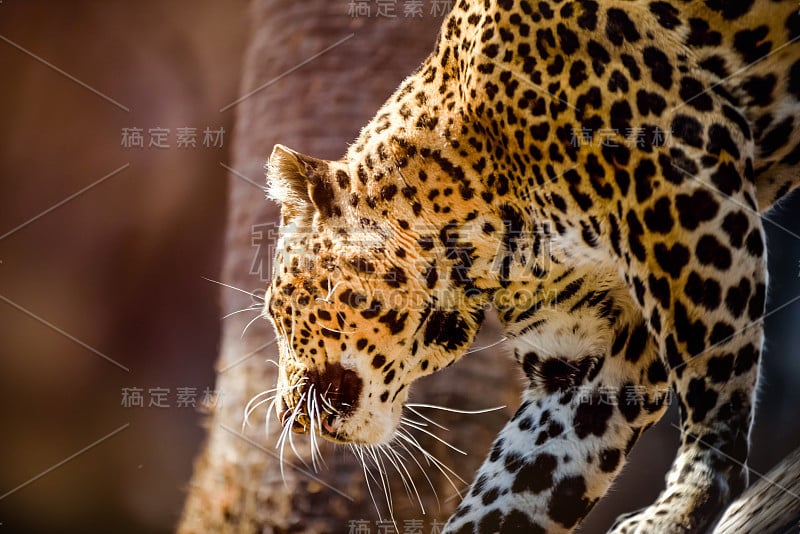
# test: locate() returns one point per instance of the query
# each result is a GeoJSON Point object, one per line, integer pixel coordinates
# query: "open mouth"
{"type": "Point", "coordinates": [316, 398]}
{"type": "Point", "coordinates": [327, 424]}
{"type": "Point", "coordinates": [301, 423]}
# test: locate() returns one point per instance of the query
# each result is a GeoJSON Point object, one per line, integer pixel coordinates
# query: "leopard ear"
{"type": "Point", "coordinates": [286, 180]}
{"type": "Point", "coordinates": [300, 183]}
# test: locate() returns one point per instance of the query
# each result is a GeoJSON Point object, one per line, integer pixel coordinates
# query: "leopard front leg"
{"type": "Point", "coordinates": [709, 470]}
{"type": "Point", "coordinates": [703, 292]}
{"type": "Point", "coordinates": [595, 384]}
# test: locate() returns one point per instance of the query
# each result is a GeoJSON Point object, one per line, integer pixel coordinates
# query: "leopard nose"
{"type": "Point", "coordinates": [339, 388]}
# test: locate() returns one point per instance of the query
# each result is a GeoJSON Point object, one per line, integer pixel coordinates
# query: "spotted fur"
{"type": "Point", "coordinates": [619, 269]}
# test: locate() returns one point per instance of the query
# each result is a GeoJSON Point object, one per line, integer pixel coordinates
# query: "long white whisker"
{"type": "Point", "coordinates": [315, 439]}
{"type": "Point", "coordinates": [363, 456]}
{"type": "Point", "coordinates": [287, 432]}
{"type": "Point", "coordinates": [478, 349]}
{"type": "Point", "coordinates": [327, 299]}
{"type": "Point", "coordinates": [422, 470]}
{"type": "Point", "coordinates": [360, 455]}
{"type": "Point", "coordinates": [272, 406]}
{"type": "Point", "coordinates": [428, 419]}
{"type": "Point", "coordinates": [453, 410]}
{"type": "Point", "coordinates": [319, 428]}
{"type": "Point", "coordinates": [313, 414]}
{"type": "Point", "coordinates": [251, 407]}
{"type": "Point", "coordinates": [257, 401]}
{"type": "Point", "coordinates": [295, 413]}
{"type": "Point", "coordinates": [400, 460]}
{"type": "Point", "coordinates": [384, 452]}
{"type": "Point", "coordinates": [327, 402]}
{"type": "Point", "coordinates": [249, 308]}
{"type": "Point", "coordinates": [253, 320]}
{"type": "Point", "coordinates": [262, 394]}
{"type": "Point", "coordinates": [432, 460]}
{"type": "Point", "coordinates": [254, 402]}
{"type": "Point", "coordinates": [267, 418]}
{"type": "Point", "coordinates": [281, 444]}
{"type": "Point", "coordinates": [311, 425]}
{"type": "Point", "coordinates": [431, 434]}
{"type": "Point", "coordinates": [410, 420]}
{"type": "Point", "coordinates": [234, 288]}
{"type": "Point", "coordinates": [442, 467]}
{"type": "Point", "coordinates": [334, 330]}
{"type": "Point", "coordinates": [387, 489]}
{"type": "Point", "coordinates": [329, 406]}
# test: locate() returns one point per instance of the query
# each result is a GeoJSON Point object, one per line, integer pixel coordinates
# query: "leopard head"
{"type": "Point", "coordinates": [366, 296]}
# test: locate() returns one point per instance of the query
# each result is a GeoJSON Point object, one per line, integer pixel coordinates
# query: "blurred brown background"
{"type": "Point", "coordinates": [116, 272]}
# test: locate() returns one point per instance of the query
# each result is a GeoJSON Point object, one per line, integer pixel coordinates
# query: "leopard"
{"type": "Point", "coordinates": [597, 173]}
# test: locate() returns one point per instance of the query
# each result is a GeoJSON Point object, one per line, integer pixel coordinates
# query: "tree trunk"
{"type": "Point", "coordinates": [316, 103]}
{"type": "Point", "coordinates": [771, 504]}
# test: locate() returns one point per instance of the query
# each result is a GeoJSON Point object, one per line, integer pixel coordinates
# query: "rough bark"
{"type": "Point", "coordinates": [317, 109]}
{"type": "Point", "coordinates": [771, 504]}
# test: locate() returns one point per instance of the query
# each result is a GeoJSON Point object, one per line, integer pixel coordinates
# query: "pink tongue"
{"type": "Point", "coordinates": [327, 426]}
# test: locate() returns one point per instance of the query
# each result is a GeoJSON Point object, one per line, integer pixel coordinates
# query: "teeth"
{"type": "Point", "coordinates": [297, 391]}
